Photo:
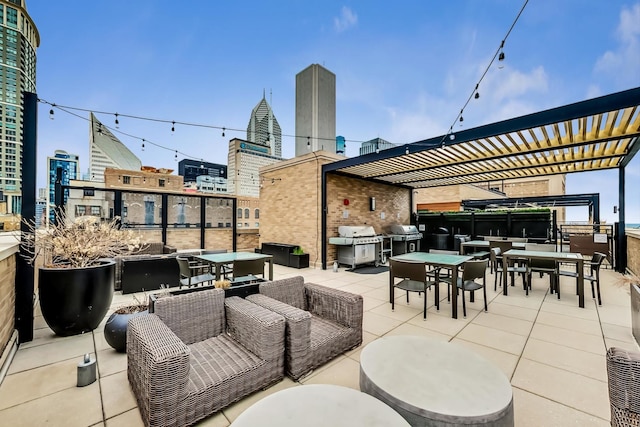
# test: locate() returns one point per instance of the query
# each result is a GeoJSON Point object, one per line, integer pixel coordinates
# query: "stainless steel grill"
{"type": "Point", "coordinates": [356, 244]}
{"type": "Point", "coordinates": [405, 238]}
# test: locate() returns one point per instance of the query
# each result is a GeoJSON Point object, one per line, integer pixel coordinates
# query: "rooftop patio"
{"type": "Point", "coordinates": [552, 352]}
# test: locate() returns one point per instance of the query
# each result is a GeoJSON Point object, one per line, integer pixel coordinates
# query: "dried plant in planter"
{"type": "Point", "coordinates": [222, 284]}
{"type": "Point", "coordinates": [79, 243]}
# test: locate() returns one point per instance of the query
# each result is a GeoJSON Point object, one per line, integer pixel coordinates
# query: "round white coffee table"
{"type": "Point", "coordinates": [319, 405]}
{"type": "Point", "coordinates": [436, 383]}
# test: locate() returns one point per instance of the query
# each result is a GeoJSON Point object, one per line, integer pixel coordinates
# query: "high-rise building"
{"type": "Point", "coordinates": [191, 169]}
{"type": "Point", "coordinates": [106, 151]}
{"type": "Point", "coordinates": [264, 129]}
{"type": "Point", "coordinates": [375, 146]}
{"type": "Point", "coordinates": [19, 39]}
{"type": "Point", "coordinates": [245, 160]}
{"type": "Point", "coordinates": [69, 165]}
{"type": "Point", "coordinates": [315, 110]}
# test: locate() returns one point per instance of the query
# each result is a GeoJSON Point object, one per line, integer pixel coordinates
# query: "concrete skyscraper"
{"type": "Point", "coordinates": [19, 39]}
{"type": "Point", "coordinates": [264, 129]}
{"type": "Point", "coordinates": [315, 110]}
{"type": "Point", "coordinates": [106, 151]}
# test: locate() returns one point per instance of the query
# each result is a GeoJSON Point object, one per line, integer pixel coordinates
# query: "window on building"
{"type": "Point", "coordinates": [124, 211]}
{"type": "Point", "coordinates": [81, 210]}
{"type": "Point", "coordinates": [240, 213]}
{"type": "Point", "coordinates": [88, 192]}
{"type": "Point", "coordinates": [256, 214]}
{"type": "Point", "coordinates": [246, 214]}
{"type": "Point", "coordinates": [95, 210]}
{"type": "Point", "coordinates": [161, 183]}
{"type": "Point", "coordinates": [126, 179]}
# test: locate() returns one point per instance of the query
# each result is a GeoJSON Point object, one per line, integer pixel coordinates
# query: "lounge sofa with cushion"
{"type": "Point", "coordinates": [198, 353]}
{"type": "Point", "coordinates": [322, 322]}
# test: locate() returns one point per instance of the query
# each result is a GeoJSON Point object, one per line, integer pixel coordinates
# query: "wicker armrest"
{"type": "Point", "coordinates": [259, 330]}
{"type": "Point", "coordinates": [333, 304]}
{"type": "Point", "coordinates": [298, 329]}
{"type": "Point", "coordinates": [623, 367]}
{"type": "Point", "coordinates": [156, 360]}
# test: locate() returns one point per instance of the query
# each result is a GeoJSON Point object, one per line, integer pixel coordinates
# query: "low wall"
{"type": "Point", "coordinates": [633, 251]}
{"type": "Point", "coordinates": [8, 335]}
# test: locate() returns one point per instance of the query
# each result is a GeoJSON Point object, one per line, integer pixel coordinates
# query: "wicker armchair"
{"type": "Point", "coordinates": [321, 322]}
{"type": "Point", "coordinates": [623, 369]}
{"type": "Point", "coordinates": [182, 366]}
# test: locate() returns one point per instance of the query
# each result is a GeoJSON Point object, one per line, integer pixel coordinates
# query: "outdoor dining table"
{"type": "Point", "coordinates": [437, 260]}
{"type": "Point", "coordinates": [484, 244]}
{"type": "Point", "coordinates": [218, 260]}
{"type": "Point", "coordinates": [564, 257]}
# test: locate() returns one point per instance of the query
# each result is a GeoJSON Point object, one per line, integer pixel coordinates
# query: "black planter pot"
{"type": "Point", "coordinates": [115, 330]}
{"type": "Point", "coordinates": [299, 260]}
{"type": "Point", "coordinates": [75, 300]}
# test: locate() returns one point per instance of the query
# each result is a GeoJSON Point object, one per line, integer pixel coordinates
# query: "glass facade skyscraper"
{"type": "Point", "coordinates": [69, 163]}
{"type": "Point", "coordinates": [264, 129]}
{"type": "Point", "coordinates": [19, 39]}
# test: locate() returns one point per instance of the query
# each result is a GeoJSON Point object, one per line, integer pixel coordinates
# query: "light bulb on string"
{"type": "Point", "coordinates": [51, 114]}
{"type": "Point", "coordinates": [501, 56]}
{"type": "Point", "coordinates": [173, 127]}
{"type": "Point", "coordinates": [176, 156]}
{"type": "Point", "coordinates": [143, 144]}
{"type": "Point", "coordinates": [308, 142]}
{"type": "Point", "coordinates": [223, 129]}
{"type": "Point", "coordinates": [117, 122]}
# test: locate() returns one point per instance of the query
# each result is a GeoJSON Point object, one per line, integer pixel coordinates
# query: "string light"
{"type": "Point", "coordinates": [51, 114]}
{"type": "Point", "coordinates": [71, 110]}
{"type": "Point", "coordinates": [173, 127]}
{"type": "Point", "coordinates": [142, 144]}
{"type": "Point", "coordinates": [176, 156]}
{"type": "Point", "coordinates": [308, 142]}
{"type": "Point", "coordinates": [475, 94]}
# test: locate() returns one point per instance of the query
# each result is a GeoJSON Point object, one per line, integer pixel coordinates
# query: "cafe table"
{"type": "Point", "coordinates": [437, 260]}
{"type": "Point", "coordinates": [218, 260]}
{"type": "Point", "coordinates": [319, 405]}
{"type": "Point", "coordinates": [564, 257]}
{"type": "Point", "coordinates": [484, 245]}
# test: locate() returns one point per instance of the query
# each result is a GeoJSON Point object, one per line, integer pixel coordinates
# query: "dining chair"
{"type": "Point", "coordinates": [592, 276]}
{"type": "Point", "coordinates": [543, 266]}
{"type": "Point", "coordinates": [225, 269]}
{"type": "Point", "coordinates": [623, 368]}
{"type": "Point", "coordinates": [414, 278]}
{"type": "Point", "coordinates": [471, 271]}
{"type": "Point", "coordinates": [192, 274]}
{"type": "Point", "coordinates": [518, 266]}
{"type": "Point", "coordinates": [248, 270]}
{"type": "Point", "coordinates": [442, 273]}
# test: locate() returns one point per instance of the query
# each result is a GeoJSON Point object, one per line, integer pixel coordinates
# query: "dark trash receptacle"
{"type": "Point", "coordinates": [442, 238]}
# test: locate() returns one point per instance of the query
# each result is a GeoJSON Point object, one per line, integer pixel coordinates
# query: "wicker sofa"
{"type": "Point", "coordinates": [321, 322]}
{"type": "Point", "coordinates": [182, 365]}
{"type": "Point", "coordinates": [623, 369]}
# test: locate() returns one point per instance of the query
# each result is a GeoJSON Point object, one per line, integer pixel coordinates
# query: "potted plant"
{"type": "Point", "coordinates": [298, 259]}
{"type": "Point", "coordinates": [76, 279]}
{"type": "Point", "coordinates": [115, 330]}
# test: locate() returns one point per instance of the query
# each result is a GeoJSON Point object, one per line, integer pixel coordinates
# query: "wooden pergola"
{"type": "Point", "coordinates": [596, 134]}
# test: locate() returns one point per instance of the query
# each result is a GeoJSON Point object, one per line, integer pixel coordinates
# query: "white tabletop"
{"type": "Point", "coordinates": [435, 378]}
{"type": "Point", "coordinates": [319, 405]}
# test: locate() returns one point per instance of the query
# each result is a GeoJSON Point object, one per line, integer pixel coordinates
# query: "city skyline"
{"type": "Point", "coordinates": [402, 73]}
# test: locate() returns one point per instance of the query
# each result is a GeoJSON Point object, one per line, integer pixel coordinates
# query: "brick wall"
{"type": "Point", "coordinates": [7, 299]}
{"type": "Point", "coordinates": [291, 211]}
{"type": "Point", "coordinates": [633, 252]}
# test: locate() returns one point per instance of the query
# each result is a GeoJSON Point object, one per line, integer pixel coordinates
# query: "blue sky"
{"type": "Point", "coordinates": [403, 70]}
